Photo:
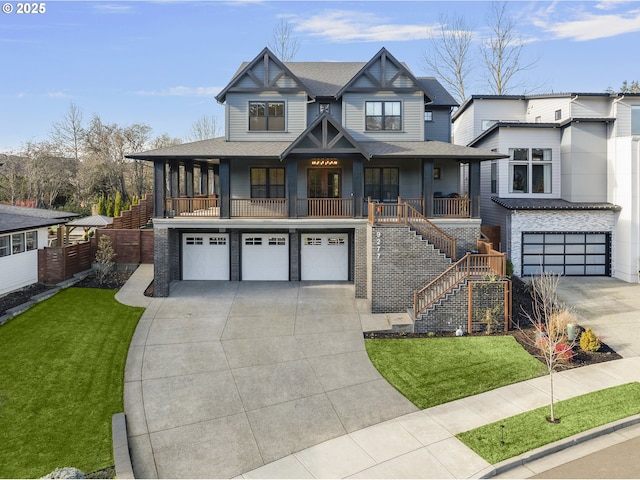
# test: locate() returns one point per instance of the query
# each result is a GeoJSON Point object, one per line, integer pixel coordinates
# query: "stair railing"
{"type": "Point", "coordinates": [404, 214]}
{"type": "Point", "coordinates": [471, 265]}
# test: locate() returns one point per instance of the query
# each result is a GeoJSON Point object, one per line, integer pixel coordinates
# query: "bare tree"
{"type": "Point", "coordinates": [502, 51]}
{"type": "Point", "coordinates": [49, 174]}
{"type": "Point", "coordinates": [204, 128]}
{"type": "Point", "coordinates": [550, 320]}
{"type": "Point", "coordinates": [449, 57]}
{"type": "Point", "coordinates": [13, 179]}
{"type": "Point", "coordinates": [283, 43]}
{"type": "Point", "coordinates": [68, 133]}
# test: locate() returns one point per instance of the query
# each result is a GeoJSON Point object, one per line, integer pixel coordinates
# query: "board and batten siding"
{"type": "Point", "coordinates": [21, 269]}
{"type": "Point", "coordinates": [238, 116]}
{"type": "Point", "coordinates": [353, 116]}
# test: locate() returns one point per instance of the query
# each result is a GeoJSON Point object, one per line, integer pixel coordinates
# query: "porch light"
{"type": "Point", "coordinates": [325, 162]}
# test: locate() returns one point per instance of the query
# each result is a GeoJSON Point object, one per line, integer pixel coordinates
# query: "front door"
{"type": "Point", "coordinates": [324, 183]}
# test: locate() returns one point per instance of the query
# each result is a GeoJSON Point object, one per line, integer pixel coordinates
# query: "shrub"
{"type": "Point", "coordinates": [104, 258]}
{"type": "Point", "coordinates": [589, 342]}
{"type": "Point", "coordinates": [564, 352]}
{"type": "Point", "coordinates": [509, 268]}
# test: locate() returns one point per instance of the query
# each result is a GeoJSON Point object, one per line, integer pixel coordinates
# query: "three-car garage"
{"type": "Point", "coordinates": [266, 256]}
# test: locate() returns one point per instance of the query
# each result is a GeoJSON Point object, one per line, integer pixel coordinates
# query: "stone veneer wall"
{"type": "Point", "coordinates": [558, 221]}
{"type": "Point", "coordinates": [166, 260]}
{"type": "Point", "coordinates": [400, 263]}
{"type": "Point", "coordinates": [360, 256]}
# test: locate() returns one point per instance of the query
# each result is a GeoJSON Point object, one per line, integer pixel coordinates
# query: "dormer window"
{"type": "Point", "coordinates": [383, 116]}
{"type": "Point", "coordinates": [266, 116]}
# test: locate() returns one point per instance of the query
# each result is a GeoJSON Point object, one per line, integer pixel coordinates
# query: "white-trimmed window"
{"type": "Point", "coordinates": [17, 243]}
{"type": "Point", "coordinates": [32, 240]}
{"type": "Point", "coordinates": [5, 245]}
{"type": "Point", "coordinates": [428, 116]}
{"type": "Point", "coordinates": [530, 170]}
{"type": "Point", "coordinates": [383, 115]}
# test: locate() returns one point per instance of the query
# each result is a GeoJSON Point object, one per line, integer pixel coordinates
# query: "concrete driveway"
{"type": "Point", "coordinates": [609, 306]}
{"type": "Point", "coordinates": [223, 377]}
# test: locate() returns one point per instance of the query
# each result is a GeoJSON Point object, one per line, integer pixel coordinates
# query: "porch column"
{"type": "Point", "coordinates": [159, 189]}
{"type": "Point", "coordinates": [215, 179]}
{"type": "Point", "coordinates": [188, 179]}
{"type": "Point", "coordinates": [174, 178]}
{"type": "Point", "coordinates": [357, 188]}
{"type": "Point", "coordinates": [291, 175]}
{"type": "Point", "coordinates": [474, 188]}
{"type": "Point", "coordinates": [427, 187]}
{"type": "Point", "coordinates": [225, 188]}
{"type": "Point", "coordinates": [204, 179]}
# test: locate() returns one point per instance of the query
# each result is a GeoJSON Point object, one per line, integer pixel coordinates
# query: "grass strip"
{"type": "Point", "coordinates": [432, 371]}
{"type": "Point", "coordinates": [61, 381]}
{"type": "Point", "coordinates": [530, 430]}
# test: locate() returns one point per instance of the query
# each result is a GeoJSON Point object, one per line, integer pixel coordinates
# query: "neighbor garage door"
{"type": "Point", "coordinates": [205, 256]}
{"type": "Point", "coordinates": [265, 256]}
{"type": "Point", "coordinates": [325, 256]}
{"type": "Point", "coordinates": [567, 253]}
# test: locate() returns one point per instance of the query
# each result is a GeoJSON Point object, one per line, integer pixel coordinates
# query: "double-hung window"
{"type": "Point", "coordinates": [266, 116]}
{"type": "Point", "coordinates": [530, 170]}
{"type": "Point", "coordinates": [383, 116]}
{"type": "Point", "coordinates": [381, 183]}
{"type": "Point", "coordinates": [267, 183]}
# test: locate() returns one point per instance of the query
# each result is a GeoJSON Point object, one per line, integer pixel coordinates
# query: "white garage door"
{"type": "Point", "coordinates": [325, 256]}
{"type": "Point", "coordinates": [566, 253]}
{"type": "Point", "coordinates": [265, 256]}
{"type": "Point", "coordinates": [205, 256]}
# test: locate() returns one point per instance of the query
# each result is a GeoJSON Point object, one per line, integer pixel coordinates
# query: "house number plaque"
{"type": "Point", "coordinates": [378, 244]}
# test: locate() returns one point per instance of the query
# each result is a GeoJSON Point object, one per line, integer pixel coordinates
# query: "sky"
{"type": "Point", "coordinates": [161, 63]}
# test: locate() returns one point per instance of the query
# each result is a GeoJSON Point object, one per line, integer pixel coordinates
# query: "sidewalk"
{"type": "Point", "coordinates": [423, 444]}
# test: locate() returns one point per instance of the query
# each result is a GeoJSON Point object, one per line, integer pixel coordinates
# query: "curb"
{"type": "Point", "coordinates": [511, 463]}
{"type": "Point", "coordinates": [121, 455]}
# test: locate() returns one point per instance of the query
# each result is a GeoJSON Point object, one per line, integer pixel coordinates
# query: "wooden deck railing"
{"type": "Point", "coordinates": [325, 207]}
{"type": "Point", "coordinates": [452, 207]}
{"type": "Point", "coordinates": [403, 214]}
{"type": "Point", "coordinates": [193, 207]}
{"type": "Point", "coordinates": [478, 265]}
{"type": "Point", "coordinates": [259, 207]}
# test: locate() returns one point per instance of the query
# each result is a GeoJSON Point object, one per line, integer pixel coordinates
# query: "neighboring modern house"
{"type": "Point", "coordinates": [567, 197]}
{"type": "Point", "coordinates": [22, 232]}
{"type": "Point", "coordinates": [284, 195]}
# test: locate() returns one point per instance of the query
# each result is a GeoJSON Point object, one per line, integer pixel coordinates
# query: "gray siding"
{"type": "Point", "coordinates": [440, 128]}
{"type": "Point", "coordinates": [238, 116]}
{"type": "Point", "coordinates": [313, 111]}
{"type": "Point", "coordinates": [412, 116]}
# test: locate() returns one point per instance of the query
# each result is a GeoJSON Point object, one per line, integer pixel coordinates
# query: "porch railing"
{"type": "Point", "coordinates": [403, 214]}
{"type": "Point", "coordinates": [452, 207]}
{"type": "Point", "coordinates": [325, 207]}
{"type": "Point", "coordinates": [259, 207]}
{"type": "Point", "coordinates": [471, 265]}
{"type": "Point", "coordinates": [193, 207]}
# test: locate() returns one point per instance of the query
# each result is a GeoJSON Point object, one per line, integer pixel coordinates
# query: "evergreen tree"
{"type": "Point", "coordinates": [117, 207]}
{"type": "Point", "coordinates": [102, 206]}
{"type": "Point", "coordinates": [109, 206]}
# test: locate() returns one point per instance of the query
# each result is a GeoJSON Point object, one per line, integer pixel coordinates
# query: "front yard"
{"type": "Point", "coordinates": [61, 381]}
{"type": "Point", "coordinates": [431, 371]}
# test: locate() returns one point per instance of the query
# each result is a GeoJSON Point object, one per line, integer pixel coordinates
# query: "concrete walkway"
{"type": "Point", "coordinates": [213, 391]}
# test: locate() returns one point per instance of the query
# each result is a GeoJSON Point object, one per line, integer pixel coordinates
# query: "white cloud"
{"type": "Point", "coordinates": [58, 94]}
{"type": "Point", "coordinates": [113, 8]}
{"type": "Point", "coordinates": [611, 4]}
{"type": "Point", "coordinates": [350, 26]}
{"type": "Point", "coordinates": [586, 26]}
{"type": "Point", "coordinates": [181, 91]}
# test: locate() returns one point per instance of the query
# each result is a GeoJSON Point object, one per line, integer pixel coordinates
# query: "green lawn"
{"type": "Point", "coordinates": [61, 380]}
{"type": "Point", "coordinates": [531, 430]}
{"type": "Point", "coordinates": [431, 371]}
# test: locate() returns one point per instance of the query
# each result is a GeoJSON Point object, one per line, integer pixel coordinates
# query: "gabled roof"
{"type": "Point", "coordinates": [383, 56]}
{"type": "Point", "coordinates": [325, 79]}
{"type": "Point", "coordinates": [267, 83]}
{"type": "Point", "coordinates": [551, 204]}
{"type": "Point", "coordinates": [91, 221]}
{"type": "Point", "coordinates": [325, 136]}
{"type": "Point", "coordinates": [437, 93]}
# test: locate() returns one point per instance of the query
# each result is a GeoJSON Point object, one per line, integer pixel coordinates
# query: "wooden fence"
{"type": "Point", "coordinates": [56, 264]}
{"type": "Point", "coordinates": [137, 216]}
